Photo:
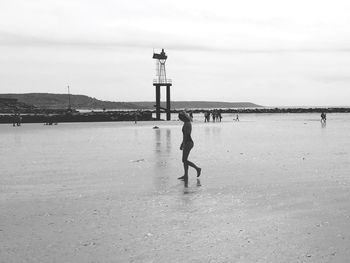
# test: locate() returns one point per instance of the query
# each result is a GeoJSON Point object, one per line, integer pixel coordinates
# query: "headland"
{"type": "Point", "coordinates": [53, 108]}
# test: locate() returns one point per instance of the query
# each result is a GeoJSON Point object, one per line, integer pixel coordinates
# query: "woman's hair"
{"type": "Point", "coordinates": [184, 116]}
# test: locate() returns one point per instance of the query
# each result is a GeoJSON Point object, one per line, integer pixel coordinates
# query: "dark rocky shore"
{"type": "Point", "coordinates": [57, 116]}
{"type": "Point", "coordinates": [53, 118]}
{"type": "Point", "coordinates": [13, 111]}
{"type": "Point", "coordinates": [283, 110]}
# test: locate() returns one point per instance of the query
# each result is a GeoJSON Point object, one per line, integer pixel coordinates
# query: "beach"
{"type": "Point", "coordinates": [274, 188]}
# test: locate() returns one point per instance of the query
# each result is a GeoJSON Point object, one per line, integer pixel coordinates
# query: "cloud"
{"type": "Point", "coordinates": [21, 40]}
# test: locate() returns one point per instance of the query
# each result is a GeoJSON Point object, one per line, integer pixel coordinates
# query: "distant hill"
{"type": "Point", "coordinates": [198, 104]}
{"type": "Point", "coordinates": [60, 101]}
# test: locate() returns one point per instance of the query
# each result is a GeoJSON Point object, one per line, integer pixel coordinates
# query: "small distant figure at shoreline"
{"type": "Point", "coordinates": [213, 115]}
{"type": "Point", "coordinates": [16, 119]}
{"type": "Point", "coordinates": [323, 117]}
{"type": "Point", "coordinates": [206, 116]}
{"type": "Point", "coordinates": [135, 116]}
{"type": "Point", "coordinates": [49, 120]}
{"type": "Point", "coordinates": [186, 146]}
{"type": "Point", "coordinates": [237, 118]}
{"type": "Point", "coordinates": [219, 115]}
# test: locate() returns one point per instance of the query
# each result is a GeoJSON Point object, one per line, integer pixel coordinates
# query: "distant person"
{"type": "Point", "coordinates": [323, 117]}
{"type": "Point", "coordinates": [237, 118]}
{"type": "Point", "coordinates": [213, 113]}
{"type": "Point", "coordinates": [187, 145]}
{"type": "Point", "coordinates": [219, 115]}
{"type": "Point", "coordinates": [14, 119]}
{"type": "Point", "coordinates": [135, 116]}
{"type": "Point", "coordinates": [19, 119]}
{"type": "Point", "coordinates": [48, 120]}
{"type": "Point", "coordinates": [207, 116]}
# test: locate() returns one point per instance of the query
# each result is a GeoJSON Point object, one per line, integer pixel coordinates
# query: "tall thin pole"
{"type": "Point", "coordinates": [69, 106]}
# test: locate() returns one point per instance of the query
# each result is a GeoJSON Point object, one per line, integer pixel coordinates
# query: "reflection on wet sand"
{"type": "Point", "coordinates": [162, 164]}
{"type": "Point", "coordinates": [198, 183]}
{"type": "Point", "coordinates": [213, 130]}
{"type": "Point", "coordinates": [158, 141]}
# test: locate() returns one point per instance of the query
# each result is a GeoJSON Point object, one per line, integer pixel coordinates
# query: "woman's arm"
{"type": "Point", "coordinates": [186, 133]}
{"type": "Point", "coordinates": [183, 137]}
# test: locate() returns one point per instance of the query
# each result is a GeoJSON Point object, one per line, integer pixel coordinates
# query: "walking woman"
{"type": "Point", "coordinates": [187, 145]}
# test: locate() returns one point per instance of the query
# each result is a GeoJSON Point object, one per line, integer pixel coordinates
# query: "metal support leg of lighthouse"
{"type": "Point", "coordinates": [168, 112]}
{"type": "Point", "coordinates": [157, 102]}
{"type": "Point", "coordinates": [168, 102]}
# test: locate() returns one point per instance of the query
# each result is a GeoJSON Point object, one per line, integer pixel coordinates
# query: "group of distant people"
{"type": "Point", "coordinates": [49, 120]}
{"type": "Point", "coordinates": [17, 119]}
{"type": "Point", "coordinates": [214, 114]}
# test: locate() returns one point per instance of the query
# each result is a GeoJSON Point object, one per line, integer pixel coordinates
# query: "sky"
{"type": "Point", "coordinates": [269, 52]}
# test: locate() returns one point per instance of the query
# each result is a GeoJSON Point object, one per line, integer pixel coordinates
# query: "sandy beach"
{"type": "Point", "coordinates": [274, 188]}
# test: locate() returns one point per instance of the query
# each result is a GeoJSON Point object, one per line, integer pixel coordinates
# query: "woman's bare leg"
{"type": "Point", "coordinates": [198, 169]}
{"type": "Point", "coordinates": [185, 153]}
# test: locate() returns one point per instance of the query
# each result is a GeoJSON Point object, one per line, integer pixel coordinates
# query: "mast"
{"type": "Point", "coordinates": [69, 105]}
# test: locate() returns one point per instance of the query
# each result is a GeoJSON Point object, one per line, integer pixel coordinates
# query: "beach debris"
{"type": "Point", "coordinates": [88, 243]}
{"type": "Point", "coordinates": [138, 160]}
{"type": "Point", "coordinates": [341, 236]}
{"type": "Point", "coordinates": [148, 235]}
{"type": "Point", "coordinates": [322, 224]}
{"type": "Point", "coordinates": [155, 127]}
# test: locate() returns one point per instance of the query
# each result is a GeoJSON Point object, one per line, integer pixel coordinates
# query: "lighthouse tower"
{"type": "Point", "coordinates": [161, 81]}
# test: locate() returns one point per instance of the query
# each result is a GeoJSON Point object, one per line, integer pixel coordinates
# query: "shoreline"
{"type": "Point", "coordinates": [60, 115]}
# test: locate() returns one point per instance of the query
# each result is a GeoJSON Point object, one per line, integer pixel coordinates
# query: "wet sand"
{"type": "Point", "coordinates": [274, 188]}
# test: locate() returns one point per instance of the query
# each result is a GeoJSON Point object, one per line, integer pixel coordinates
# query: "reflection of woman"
{"type": "Point", "coordinates": [187, 145]}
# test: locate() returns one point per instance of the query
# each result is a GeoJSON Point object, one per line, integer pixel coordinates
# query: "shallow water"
{"type": "Point", "coordinates": [125, 174]}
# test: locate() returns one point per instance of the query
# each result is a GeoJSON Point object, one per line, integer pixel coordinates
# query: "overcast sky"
{"type": "Point", "coordinates": [270, 52]}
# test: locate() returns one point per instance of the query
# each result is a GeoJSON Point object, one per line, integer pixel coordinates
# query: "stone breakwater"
{"type": "Point", "coordinates": [50, 118]}
{"type": "Point", "coordinates": [281, 110]}
{"type": "Point", "coordinates": [56, 116]}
